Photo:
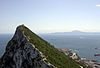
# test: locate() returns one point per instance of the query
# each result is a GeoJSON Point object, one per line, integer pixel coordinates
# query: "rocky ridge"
{"type": "Point", "coordinates": [28, 50]}
{"type": "Point", "coordinates": [21, 53]}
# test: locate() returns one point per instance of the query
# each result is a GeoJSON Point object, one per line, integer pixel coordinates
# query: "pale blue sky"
{"type": "Point", "coordinates": [50, 15]}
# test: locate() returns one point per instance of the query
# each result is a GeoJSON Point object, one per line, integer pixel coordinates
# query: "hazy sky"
{"type": "Point", "coordinates": [50, 15]}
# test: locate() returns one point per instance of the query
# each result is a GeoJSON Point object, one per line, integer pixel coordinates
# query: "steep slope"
{"type": "Point", "coordinates": [28, 50]}
{"type": "Point", "coordinates": [20, 53]}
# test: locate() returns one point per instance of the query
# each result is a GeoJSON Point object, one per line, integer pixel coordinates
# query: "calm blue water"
{"type": "Point", "coordinates": [3, 42]}
{"type": "Point", "coordinates": [83, 45]}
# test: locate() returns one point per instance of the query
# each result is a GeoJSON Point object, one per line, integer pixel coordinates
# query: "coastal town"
{"type": "Point", "coordinates": [75, 56]}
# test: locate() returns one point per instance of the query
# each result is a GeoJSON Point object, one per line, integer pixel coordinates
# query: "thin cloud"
{"type": "Point", "coordinates": [98, 5]}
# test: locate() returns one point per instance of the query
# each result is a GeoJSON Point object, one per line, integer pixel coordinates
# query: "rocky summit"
{"type": "Point", "coordinates": [20, 53]}
{"type": "Point", "coordinates": [28, 50]}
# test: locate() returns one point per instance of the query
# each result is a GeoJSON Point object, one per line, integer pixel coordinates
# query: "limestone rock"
{"type": "Point", "coordinates": [20, 53]}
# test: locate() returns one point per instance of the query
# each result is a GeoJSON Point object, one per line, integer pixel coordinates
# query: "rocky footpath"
{"type": "Point", "coordinates": [20, 53]}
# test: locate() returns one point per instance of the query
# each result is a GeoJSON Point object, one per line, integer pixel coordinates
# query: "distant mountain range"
{"type": "Point", "coordinates": [76, 32]}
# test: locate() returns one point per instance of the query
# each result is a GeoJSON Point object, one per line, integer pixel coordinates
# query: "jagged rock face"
{"type": "Point", "coordinates": [20, 53]}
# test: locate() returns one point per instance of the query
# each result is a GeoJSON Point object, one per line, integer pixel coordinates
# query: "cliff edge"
{"type": "Point", "coordinates": [28, 50]}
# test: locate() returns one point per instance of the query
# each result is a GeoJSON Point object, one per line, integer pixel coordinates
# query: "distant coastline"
{"type": "Point", "coordinates": [75, 32]}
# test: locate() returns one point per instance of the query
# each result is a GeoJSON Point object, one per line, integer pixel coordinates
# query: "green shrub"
{"type": "Point", "coordinates": [55, 57]}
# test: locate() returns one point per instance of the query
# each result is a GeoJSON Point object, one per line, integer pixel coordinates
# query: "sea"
{"type": "Point", "coordinates": [86, 46]}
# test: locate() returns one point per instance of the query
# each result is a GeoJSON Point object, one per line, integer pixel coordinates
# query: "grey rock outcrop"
{"type": "Point", "coordinates": [20, 53]}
